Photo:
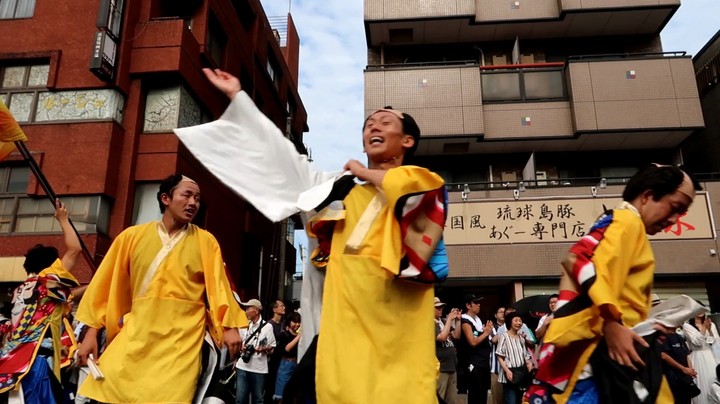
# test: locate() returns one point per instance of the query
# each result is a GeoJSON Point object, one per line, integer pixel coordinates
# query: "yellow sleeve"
{"type": "Point", "coordinates": [613, 259]}
{"type": "Point", "coordinates": [224, 310]}
{"type": "Point", "coordinates": [109, 296]}
{"type": "Point", "coordinates": [407, 180]}
{"type": "Point", "coordinates": [398, 183]}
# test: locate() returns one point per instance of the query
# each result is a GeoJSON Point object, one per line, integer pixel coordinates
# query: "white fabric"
{"type": "Point", "coordinates": [249, 154]}
{"type": "Point", "coordinates": [714, 394]}
{"type": "Point", "coordinates": [672, 313]}
{"type": "Point", "coordinates": [169, 244]}
{"type": "Point", "coordinates": [258, 362]}
{"type": "Point", "coordinates": [541, 322]}
{"type": "Point", "coordinates": [702, 359]}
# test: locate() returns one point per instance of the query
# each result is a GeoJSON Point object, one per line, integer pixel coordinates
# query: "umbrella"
{"type": "Point", "coordinates": [537, 305]}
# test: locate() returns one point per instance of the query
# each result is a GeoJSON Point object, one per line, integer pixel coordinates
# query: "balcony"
{"type": "Point", "coordinates": [492, 20]}
{"type": "Point", "coordinates": [588, 103]}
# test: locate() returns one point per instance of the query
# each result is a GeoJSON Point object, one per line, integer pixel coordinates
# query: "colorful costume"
{"type": "Point", "coordinates": [39, 330]}
{"type": "Point", "coordinates": [386, 320]}
{"type": "Point", "coordinates": [377, 341]}
{"type": "Point", "coordinates": [612, 265]}
{"type": "Point", "coordinates": [155, 295]}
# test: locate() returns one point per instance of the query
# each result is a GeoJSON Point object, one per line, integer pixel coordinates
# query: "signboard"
{"type": "Point", "coordinates": [554, 220]}
{"type": "Point", "coordinates": [102, 63]}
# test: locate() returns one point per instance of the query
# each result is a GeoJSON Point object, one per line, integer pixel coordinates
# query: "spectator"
{"type": "Point", "coordinates": [252, 367]}
{"type": "Point", "coordinates": [546, 319]}
{"type": "Point", "coordinates": [677, 367]}
{"type": "Point", "coordinates": [514, 358]}
{"type": "Point", "coordinates": [287, 350]}
{"type": "Point", "coordinates": [714, 395]}
{"type": "Point", "coordinates": [496, 388]}
{"type": "Point", "coordinates": [445, 332]}
{"type": "Point", "coordinates": [701, 334]}
{"type": "Point", "coordinates": [476, 360]}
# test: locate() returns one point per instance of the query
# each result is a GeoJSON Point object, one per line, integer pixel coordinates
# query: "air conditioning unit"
{"type": "Point", "coordinates": [541, 178]}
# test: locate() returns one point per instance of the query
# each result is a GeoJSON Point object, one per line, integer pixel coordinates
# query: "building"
{"type": "Point", "coordinates": [703, 147]}
{"type": "Point", "coordinates": [536, 113]}
{"type": "Point", "coordinates": [98, 91]}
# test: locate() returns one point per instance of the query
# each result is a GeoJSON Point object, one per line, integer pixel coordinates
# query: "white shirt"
{"type": "Point", "coordinates": [266, 337]}
{"type": "Point", "coordinates": [714, 393]}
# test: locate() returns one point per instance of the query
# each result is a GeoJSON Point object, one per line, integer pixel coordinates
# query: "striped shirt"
{"type": "Point", "coordinates": [513, 351]}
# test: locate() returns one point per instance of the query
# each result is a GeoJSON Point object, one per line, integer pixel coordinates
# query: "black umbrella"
{"type": "Point", "coordinates": [536, 306]}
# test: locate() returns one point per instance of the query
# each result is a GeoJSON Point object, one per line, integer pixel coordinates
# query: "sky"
{"type": "Point", "coordinates": [333, 54]}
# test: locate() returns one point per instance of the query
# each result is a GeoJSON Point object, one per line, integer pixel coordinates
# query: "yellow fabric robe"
{"type": "Point", "coordinates": [624, 266]}
{"type": "Point", "coordinates": [376, 341]}
{"type": "Point", "coordinates": [154, 340]}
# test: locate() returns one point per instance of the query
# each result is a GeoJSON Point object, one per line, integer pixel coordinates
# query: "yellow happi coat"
{"type": "Point", "coordinates": [376, 341]}
{"type": "Point", "coordinates": [155, 332]}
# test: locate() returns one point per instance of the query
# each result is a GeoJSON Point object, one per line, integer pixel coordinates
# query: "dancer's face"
{"type": "Point", "coordinates": [666, 211]}
{"type": "Point", "coordinates": [383, 137]}
{"type": "Point", "coordinates": [184, 203]}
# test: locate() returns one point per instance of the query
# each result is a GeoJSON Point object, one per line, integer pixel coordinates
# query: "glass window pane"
{"type": "Point", "coordinates": [500, 86]}
{"type": "Point", "coordinates": [39, 224]}
{"type": "Point", "coordinates": [14, 77]}
{"type": "Point", "coordinates": [3, 178]}
{"type": "Point", "coordinates": [19, 179]}
{"type": "Point", "coordinates": [7, 8]}
{"type": "Point", "coordinates": [38, 75]}
{"type": "Point", "coordinates": [21, 106]}
{"type": "Point", "coordinates": [543, 85]}
{"type": "Point", "coordinates": [25, 9]}
{"type": "Point", "coordinates": [6, 206]}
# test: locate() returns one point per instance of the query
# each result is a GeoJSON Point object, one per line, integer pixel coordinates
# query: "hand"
{"type": "Point", "coordinates": [357, 169]}
{"type": "Point", "coordinates": [707, 323]}
{"type": "Point", "coordinates": [61, 212]}
{"type": "Point", "coordinates": [231, 338]}
{"type": "Point", "coordinates": [223, 81]}
{"type": "Point", "coordinates": [529, 366]}
{"type": "Point", "coordinates": [88, 346]}
{"type": "Point", "coordinates": [508, 375]}
{"type": "Point", "coordinates": [689, 371]}
{"type": "Point", "coordinates": [488, 327]}
{"type": "Point", "coordinates": [620, 341]}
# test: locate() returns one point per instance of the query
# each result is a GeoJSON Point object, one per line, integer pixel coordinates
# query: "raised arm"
{"type": "Point", "coordinates": [72, 242]}
{"type": "Point", "coordinates": [223, 81]}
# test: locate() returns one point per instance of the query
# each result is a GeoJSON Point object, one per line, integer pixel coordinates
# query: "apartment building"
{"type": "Point", "coordinates": [98, 88]}
{"type": "Point", "coordinates": [536, 113]}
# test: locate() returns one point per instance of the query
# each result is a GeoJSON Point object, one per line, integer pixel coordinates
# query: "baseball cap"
{"type": "Point", "coordinates": [655, 299]}
{"type": "Point", "coordinates": [253, 303]}
{"type": "Point", "coordinates": [472, 298]}
{"type": "Point", "coordinates": [438, 303]}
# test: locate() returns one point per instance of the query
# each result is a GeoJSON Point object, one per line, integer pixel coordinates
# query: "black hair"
{"type": "Point", "coordinates": [717, 372]}
{"type": "Point", "coordinates": [662, 181]}
{"type": "Point", "coordinates": [293, 317]}
{"type": "Point", "coordinates": [509, 318]}
{"type": "Point", "coordinates": [167, 187]}
{"type": "Point", "coordinates": [409, 127]}
{"type": "Point", "coordinates": [554, 295]}
{"type": "Point", "coordinates": [277, 303]}
{"type": "Point", "coordinates": [39, 258]}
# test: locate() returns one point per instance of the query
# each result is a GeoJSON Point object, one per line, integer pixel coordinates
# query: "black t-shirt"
{"type": "Point", "coordinates": [676, 348]}
{"type": "Point", "coordinates": [479, 355]}
{"type": "Point", "coordinates": [285, 338]}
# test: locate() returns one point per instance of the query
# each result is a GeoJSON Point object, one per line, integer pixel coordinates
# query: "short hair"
{"type": "Point", "coordinates": [277, 303]}
{"type": "Point", "coordinates": [167, 187]}
{"type": "Point", "coordinates": [554, 295]}
{"type": "Point", "coordinates": [39, 257]}
{"type": "Point", "coordinates": [293, 317]}
{"type": "Point", "coordinates": [511, 316]}
{"type": "Point", "coordinates": [661, 180]}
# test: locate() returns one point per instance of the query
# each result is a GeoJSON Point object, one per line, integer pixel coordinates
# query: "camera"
{"type": "Point", "coordinates": [247, 355]}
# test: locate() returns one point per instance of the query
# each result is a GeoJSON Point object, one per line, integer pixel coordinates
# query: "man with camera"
{"type": "Point", "coordinates": [252, 367]}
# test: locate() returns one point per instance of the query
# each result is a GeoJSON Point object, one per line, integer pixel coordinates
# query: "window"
{"type": "Point", "coordinates": [20, 87]}
{"type": "Point", "coordinates": [273, 70]}
{"type": "Point", "coordinates": [110, 18]}
{"type": "Point", "coordinates": [22, 215]}
{"type": "Point", "coordinates": [14, 179]}
{"type": "Point", "coordinates": [146, 203]}
{"type": "Point", "coordinates": [216, 41]}
{"type": "Point", "coordinates": [523, 85]}
{"type": "Point", "coordinates": [10, 9]}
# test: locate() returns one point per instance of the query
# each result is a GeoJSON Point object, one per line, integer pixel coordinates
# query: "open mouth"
{"type": "Point", "coordinates": [190, 211]}
{"type": "Point", "coordinates": [377, 140]}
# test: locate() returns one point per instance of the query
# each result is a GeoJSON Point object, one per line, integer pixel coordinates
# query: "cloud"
{"type": "Point", "coordinates": [332, 59]}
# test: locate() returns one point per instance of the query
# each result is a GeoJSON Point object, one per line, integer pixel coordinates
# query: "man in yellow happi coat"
{"type": "Point", "coordinates": [604, 290]}
{"type": "Point", "coordinates": [376, 341]}
{"type": "Point", "coordinates": [158, 287]}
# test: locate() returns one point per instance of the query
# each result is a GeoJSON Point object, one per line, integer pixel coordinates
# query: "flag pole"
{"type": "Point", "coordinates": [22, 148]}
